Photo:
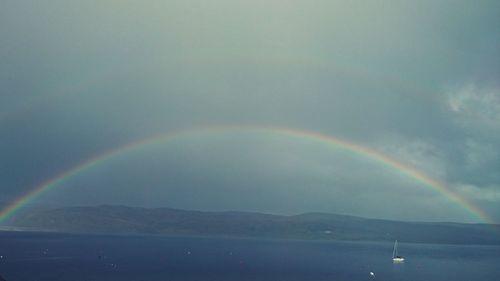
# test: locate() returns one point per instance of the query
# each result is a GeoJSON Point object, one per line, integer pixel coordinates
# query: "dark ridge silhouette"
{"type": "Point", "coordinates": [165, 221]}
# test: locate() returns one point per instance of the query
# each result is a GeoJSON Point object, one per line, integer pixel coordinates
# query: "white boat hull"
{"type": "Point", "coordinates": [398, 260]}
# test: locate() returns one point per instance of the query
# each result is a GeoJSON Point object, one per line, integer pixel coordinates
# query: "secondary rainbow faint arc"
{"type": "Point", "coordinates": [289, 132]}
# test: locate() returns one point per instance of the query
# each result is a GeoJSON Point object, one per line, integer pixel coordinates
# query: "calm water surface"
{"type": "Point", "coordinates": [53, 257]}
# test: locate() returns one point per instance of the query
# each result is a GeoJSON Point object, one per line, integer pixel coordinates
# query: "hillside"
{"type": "Point", "coordinates": [165, 221]}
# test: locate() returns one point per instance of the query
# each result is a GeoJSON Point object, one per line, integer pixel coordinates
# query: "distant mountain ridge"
{"type": "Point", "coordinates": [165, 221]}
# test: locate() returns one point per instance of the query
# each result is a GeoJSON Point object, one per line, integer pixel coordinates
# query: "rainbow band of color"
{"type": "Point", "coordinates": [288, 132]}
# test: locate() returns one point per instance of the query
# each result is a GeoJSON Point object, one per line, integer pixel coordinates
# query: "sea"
{"type": "Point", "coordinates": [29, 256]}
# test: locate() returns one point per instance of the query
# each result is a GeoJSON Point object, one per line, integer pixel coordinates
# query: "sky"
{"type": "Point", "coordinates": [417, 81]}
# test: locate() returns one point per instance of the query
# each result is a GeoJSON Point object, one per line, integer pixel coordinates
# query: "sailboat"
{"type": "Point", "coordinates": [395, 257]}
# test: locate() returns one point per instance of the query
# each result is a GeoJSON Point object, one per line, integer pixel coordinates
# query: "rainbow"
{"type": "Point", "coordinates": [310, 136]}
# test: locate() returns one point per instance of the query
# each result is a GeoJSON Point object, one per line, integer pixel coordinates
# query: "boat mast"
{"type": "Point", "coordinates": [395, 250]}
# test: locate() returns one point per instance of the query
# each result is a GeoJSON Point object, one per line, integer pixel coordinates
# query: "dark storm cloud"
{"type": "Point", "coordinates": [417, 81]}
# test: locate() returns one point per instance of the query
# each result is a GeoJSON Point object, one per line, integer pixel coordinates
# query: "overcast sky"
{"type": "Point", "coordinates": [416, 80]}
